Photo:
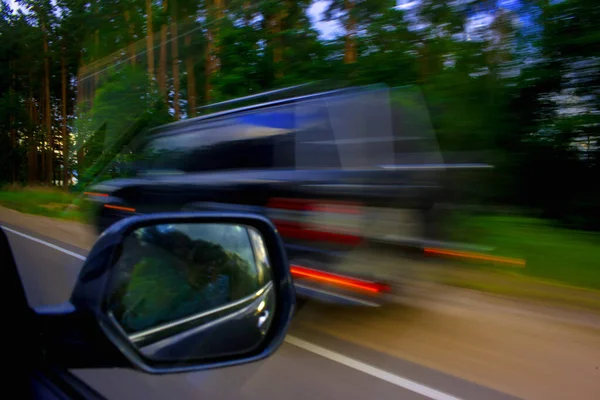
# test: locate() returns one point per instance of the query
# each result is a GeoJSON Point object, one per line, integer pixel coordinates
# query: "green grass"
{"type": "Point", "coordinates": [551, 253]}
{"type": "Point", "coordinates": [39, 200]}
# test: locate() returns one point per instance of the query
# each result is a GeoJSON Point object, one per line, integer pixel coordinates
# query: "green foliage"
{"type": "Point", "coordinates": [525, 89]}
{"type": "Point", "coordinates": [124, 111]}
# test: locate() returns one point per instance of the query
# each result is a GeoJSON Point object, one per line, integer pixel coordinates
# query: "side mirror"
{"type": "Point", "coordinates": [174, 293]}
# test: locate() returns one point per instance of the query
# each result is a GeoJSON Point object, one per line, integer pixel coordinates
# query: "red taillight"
{"type": "Point", "coordinates": [338, 280]}
{"type": "Point", "coordinates": [120, 208]}
{"type": "Point", "coordinates": [323, 221]}
{"type": "Point", "coordinates": [96, 194]}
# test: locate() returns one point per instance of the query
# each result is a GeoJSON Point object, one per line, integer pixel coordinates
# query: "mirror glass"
{"type": "Point", "coordinates": [192, 291]}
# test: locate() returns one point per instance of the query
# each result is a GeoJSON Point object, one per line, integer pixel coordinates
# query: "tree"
{"type": "Point", "coordinates": [149, 40]}
{"type": "Point", "coordinates": [175, 58]}
{"type": "Point", "coordinates": [162, 64]}
{"type": "Point", "coordinates": [215, 16]}
{"type": "Point", "coordinates": [354, 15]}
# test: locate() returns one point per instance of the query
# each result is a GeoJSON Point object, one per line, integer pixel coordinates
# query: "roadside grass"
{"type": "Point", "coordinates": [553, 255]}
{"type": "Point", "coordinates": [42, 200]}
{"type": "Point", "coordinates": [530, 291]}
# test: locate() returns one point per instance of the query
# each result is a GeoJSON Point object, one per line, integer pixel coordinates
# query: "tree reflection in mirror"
{"type": "Point", "coordinates": [175, 281]}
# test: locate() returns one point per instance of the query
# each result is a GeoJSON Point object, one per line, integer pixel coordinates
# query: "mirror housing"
{"type": "Point", "coordinates": [84, 333]}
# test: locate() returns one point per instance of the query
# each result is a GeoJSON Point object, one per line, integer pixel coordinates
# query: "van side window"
{"type": "Point", "coordinates": [233, 155]}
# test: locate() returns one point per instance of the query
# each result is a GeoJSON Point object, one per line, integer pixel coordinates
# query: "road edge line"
{"type": "Point", "coordinates": [40, 241]}
{"type": "Point", "coordinates": [370, 370]}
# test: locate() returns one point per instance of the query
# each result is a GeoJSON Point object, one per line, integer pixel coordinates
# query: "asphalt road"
{"type": "Point", "coordinates": [311, 364]}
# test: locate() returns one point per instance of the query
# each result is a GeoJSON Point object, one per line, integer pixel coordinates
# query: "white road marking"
{"type": "Point", "coordinates": [40, 241]}
{"type": "Point", "coordinates": [370, 370]}
{"type": "Point", "coordinates": [313, 348]}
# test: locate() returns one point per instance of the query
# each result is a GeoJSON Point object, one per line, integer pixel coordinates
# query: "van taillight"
{"type": "Point", "coordinates": [323, 221]}
{"type": "Point", "coordinates": [96, 194]}
{"type": "Point", "coordinates": [299, 271]}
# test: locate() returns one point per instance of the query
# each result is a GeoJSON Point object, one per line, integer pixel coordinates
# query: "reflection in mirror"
{"type": "Point", "coordinates": [192, 291]}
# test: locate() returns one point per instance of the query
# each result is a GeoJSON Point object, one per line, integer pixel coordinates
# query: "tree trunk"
{"type": "Point", "coordinates": [162, 64]}
{"type": "Point", "coordinates": [191, 77]}
{"type": "Point", "coordinates": [12, 129]}
{"type": "Point", "coordinates": [48, 111]}
{"type": "Point", "coordinates": [13, 142]}
{"type": "Point", "coordinates": [175, 62]}
{"type": "Point", "coordinates": [32, 148]}
{"type": "Point", "coordinates": [97, 47]}
{"type": "Point", "coordinates": [92, 81]}
{"type": "Point", "coordinates": [350, 40]}
{"type": "Point", "coordinates": [278, 42]}
{"type": "Point", "coordinates": [65, 135]}
{"type": "Point", "coordinates": [81, 99]}
{"type": "Point", "coordinates": [220, 8]}
{"type": "Point", "coordinates": [247, 13]}
{"type": "Point", "coordinates": [79, 86]}
{"type": "Point", "coordinates": [42, 142]}
{"type": "Point", "coordinates": [13, 145]}
{"type": "Point", "coordinates": [212, 61]}
{"type": "Point", "coordinates": [150, 41]}
{"type": "Point", "coordinates": [81, 93]}
{"type": "Point", "coordinates": [208, 66]}
{"type": "Point", "coordinates": [131, 27]}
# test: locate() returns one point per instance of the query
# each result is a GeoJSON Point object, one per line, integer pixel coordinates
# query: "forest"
{"type": "Point", "coordinates": [81, 80]}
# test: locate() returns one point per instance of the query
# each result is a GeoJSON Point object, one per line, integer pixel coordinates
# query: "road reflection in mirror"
{"type": "Point", "coordinates": [192, 291]}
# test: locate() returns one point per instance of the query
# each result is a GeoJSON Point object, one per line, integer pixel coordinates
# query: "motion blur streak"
{"type": "Point", "coordinates": [296, 231]}
{"type": "Point", "coordinates": [96, 194]}
{"type": "Point", "coordinates": [476, 256]}
{"type": "Point", "coordinates": [120, 208]}
{"type": "Point", "coordinates": [304, 272]}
